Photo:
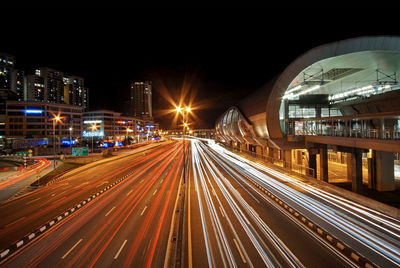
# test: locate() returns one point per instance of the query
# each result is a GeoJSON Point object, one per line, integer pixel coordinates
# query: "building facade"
{"type": "Point", "coordinates": [34, 120]}
{"type": "Point", "coordinates": [6, 70]}
{"type": "Point", "coordinates": [7, 63]}
{"type": "Point", "coordinates": [141, 100]}
{"type": "Point", "coordinates": [111, 126]}
{"type": "Point", "coordinates": [49, 85]}
{"type": "Point", "coordinates": [75, 93]}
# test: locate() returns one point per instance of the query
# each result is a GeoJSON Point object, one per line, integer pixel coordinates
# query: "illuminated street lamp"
{"type": "Point", "coordinates": [70, 137]}
{"type": "Point", "coordinates": [127, 131]}
{"type": "Point", "coordinates": [93, 127]}
{"type": "Point", "coordinates": [55, 120]}
{"type": "Point", "coordinates": [182, 111]}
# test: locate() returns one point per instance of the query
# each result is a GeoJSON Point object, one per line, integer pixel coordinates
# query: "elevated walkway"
{"type": "Point", "coordinates": [377, 131]}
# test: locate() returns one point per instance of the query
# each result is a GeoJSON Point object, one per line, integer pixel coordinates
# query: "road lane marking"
{"type": "Point", "coordinates": [58, 199]}
{"type": "Point", "coordinates": [33, 200]}
{"type": "Point", "coordinates": [81, 185]}
{"type": "Point", "coordinates": [104, 182]}
{"type": "Point", "coordinates": [109, 212]}
{"type": "Point", "coordinates": [14, 222]}
{"type": "Point", "coordinates": [69, 251]}
{"type": "Point", "coordinates": [143, 210]}
{"type": "Point", "coordinates": [222, 212]}
{"type": "Point", "coordinates": [155, 192]}
{"type": "Point", "coordinates": [120, 249]}
{"type": "Point", "coordinates": [129, 192]}
{"type": "Point", "coordinates": [240, 252]}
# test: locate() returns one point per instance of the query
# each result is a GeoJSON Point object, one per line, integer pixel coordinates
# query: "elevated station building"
{"type": "Point", "coordinates": [337, 102]}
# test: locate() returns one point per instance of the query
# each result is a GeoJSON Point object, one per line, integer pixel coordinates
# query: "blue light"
{"type": "Point", "coordinates": [33, 111]}
{"type": "Point", "coordinates": [106, 145]}
{"type": "Point", "coordinates": [68, 142]}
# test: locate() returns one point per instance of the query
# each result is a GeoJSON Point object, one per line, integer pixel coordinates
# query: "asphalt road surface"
{"type": "Point", "coordinates": [236, 213]}
{"type": "Point", "coordinates": [124, 226]}
{"type": "Point", "coordinates": [231, 222]}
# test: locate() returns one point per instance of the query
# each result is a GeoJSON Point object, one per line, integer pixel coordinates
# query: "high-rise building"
{"type": "Point", "coordinates": [34, 88]}
{"type": "Point", "coordinates": [18, 84]}
{"type": "Point", "coordinates": [141, 100]}
{"type": "Point", "coordinates": [49, 85]}
{"type": "Point", "coordinates": [75, 92]}
{"type": "Point", "coordinates": [6, 70]}
{"type": "Point", "coordinates": [6, 83]}
{"type": "Point", "coordinates": [45, 85]}
{"type": "Point", "coordinates": [53, 84]}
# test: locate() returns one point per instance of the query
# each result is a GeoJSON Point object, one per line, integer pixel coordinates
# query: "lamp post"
{"type": "Point", "coordinates": [127, 131]}
{"type": "Point", "coordinates": [93, 128]}
{"type": "Point", "coordinates": [185, 124]}
{"type": "Point", "coordinates": [55, 119]}
{"type": "Point", "coordinates": [70, 137]}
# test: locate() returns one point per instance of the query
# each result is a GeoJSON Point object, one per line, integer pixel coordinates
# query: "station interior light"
{"type": "Point", "coordinates": [293, 89]}
{"type": "Point", "coordinates": [290, 95]}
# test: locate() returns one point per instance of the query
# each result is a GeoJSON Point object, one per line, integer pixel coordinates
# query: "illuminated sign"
{"type": "Point", "coordinates": [92, 133]}
{"type": "Point", "coordinates": [68, 142]}
{"type": "Point", "coordinates": [33, 111]}
{"type": "Point", "coordinates": [92, 121]}
{"type": "Point", "coordinates": [121, 122]}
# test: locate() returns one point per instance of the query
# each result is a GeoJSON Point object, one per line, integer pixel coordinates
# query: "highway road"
{"type": "Point", "coordinates": [125, 225]}
{"type": "Point", "coordinates": [239, 224]}
{"type": "Point", "coordinates": [121, 212]}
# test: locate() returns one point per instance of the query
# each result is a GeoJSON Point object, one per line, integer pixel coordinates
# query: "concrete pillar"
{"type": "Point", "coordinates": [271, 154]}
{"type": "Point", "coordinates": [242, 146]}
{"type": "Point", "coordinates": [384, 171]}
{"type": "Point", "coordinates": [348, 165]}
{"type": "Point", "coordinates": [323, 163]}
{"type": "Point", "coordinates": [312, 163]}
{"type": "Point", "coordinates": [354, 170]}
{"type": "Point", "coordinates": [372, 171]}
{"type": "Point", "coordinates": [277, 153]}
{"type": "Point", "coordinates": [287, 158]}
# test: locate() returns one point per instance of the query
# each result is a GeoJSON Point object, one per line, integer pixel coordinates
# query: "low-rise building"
{"type": "Point", "coordinates": [112, 126]}
{"type": "Point", "coordinates": [34, 120]}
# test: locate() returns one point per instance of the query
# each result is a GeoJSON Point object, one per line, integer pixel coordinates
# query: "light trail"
{"type": "Point", "coordinates": [29, 171]}
{"type": "Point", "coordinates": [202, 164]}
{"type": "Point", "coordinates": [90, 251]}
{"type": "Point", "coordinates": [357, 221]}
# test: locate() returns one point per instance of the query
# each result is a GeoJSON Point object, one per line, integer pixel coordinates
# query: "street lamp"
{"type": "Point", "coordinates": [55, 120]}
{"type": "Point", "coordinates": [127, 131]}
{"type": "Point", "coordinates": [182, 111]}
{"type": "Point", "coordinates": [93, 127]}
{"type": "Point", "coordinates": [70, 137]}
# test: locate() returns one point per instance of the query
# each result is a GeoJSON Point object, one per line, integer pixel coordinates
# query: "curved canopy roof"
{"type": "Point", "coordinates": [352, 64]}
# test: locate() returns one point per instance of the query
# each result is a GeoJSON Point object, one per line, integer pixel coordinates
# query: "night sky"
{"type": "Point", "coordinates": [218, 56]}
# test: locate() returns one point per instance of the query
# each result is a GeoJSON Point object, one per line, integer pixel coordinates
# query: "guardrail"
{"type": "Point", "coordinates": [279, 162]}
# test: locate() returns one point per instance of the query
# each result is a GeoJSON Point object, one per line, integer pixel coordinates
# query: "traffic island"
{"type": "Point", "coordinates": [56, 173]}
